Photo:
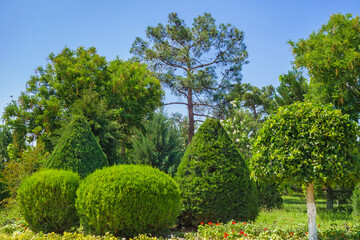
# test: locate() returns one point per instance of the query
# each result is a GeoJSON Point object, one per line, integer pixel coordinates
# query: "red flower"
{"type": "Point", "coordinates": [244, 223]}
{"type": "Point", "coordinates": [218, 224]}
{"type": "Point", "coordinates": [319, 225]}
{"type": "Point", "coordinates": [232, 231]}
{"type": "Point", "coordinates": [306, 233]}
{"type": "Point", "coordinates": [245, 234]}
{"type": "Point", "coordinates": [291, 233]}
{"type": "Point", "coordinates": [226, 235]}
{"type": "Point", "coordinates": [210, 223]}
{"type": "Point", "coordinates": [233, 222]}
{"type": "Point", "coordinates": [265, 229]}
{"type": "Point", "coordinates": [18, 219]}
{"type": "Point", "coordinates": [202, 223]}
{"type": "Point", "coordinates": [25, 228]}
{"type": "Point", "coordinates": [241, 232]}
{"type": "Point", "coordinates": [21, 225]}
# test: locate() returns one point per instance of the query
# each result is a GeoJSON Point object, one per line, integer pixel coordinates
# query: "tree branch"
{"type": "Point", "coordinates": [172, 103]}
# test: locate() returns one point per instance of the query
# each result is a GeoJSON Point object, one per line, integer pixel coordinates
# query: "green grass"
{"type": "Point", "coordinates": [294, 212]}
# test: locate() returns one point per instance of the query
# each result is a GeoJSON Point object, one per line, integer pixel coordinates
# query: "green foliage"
{"type": "Point", "coordinates": [160, 146]}
{"type": "Point", "coordinates": [305, 143]}
{"type": "Point", "coordinates": [127, 200]}
{"type": "Point", "coordinates": [47, 200]}
{"type": "Point", "coordinates": [356, 202]}
{"type": "Point", "coordinates": [331, 56]}
{"type": "Point", "coordinates": [201, 52]}
{"type": "Point", "coordinates": [129, 90]}
{"type": "Point", "coordinates": [15, 171]}
{"type": "Point", "coordinates": [214, 179]}
{"type": "Point", "coordinates": [293, 88]}
{"type": "Point", "coordinates": [77, 150]}
{"type": "Point", "coordinates": [269, 195]}
{"type": "Point", "coordinates": [107, 131]}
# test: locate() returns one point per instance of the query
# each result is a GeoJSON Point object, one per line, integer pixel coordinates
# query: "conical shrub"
{"type": "Point", "coordinates": [214, 179]}
{"type": "Point", "coordinates": [77, 150]}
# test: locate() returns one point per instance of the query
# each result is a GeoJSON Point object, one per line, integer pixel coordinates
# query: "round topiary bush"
{"type": "Point", "coordinates": [214, 179]}
{"type": "Point", "coordinates": [47, 200]}
{"type": "Point", "coordinates": [127, 200]}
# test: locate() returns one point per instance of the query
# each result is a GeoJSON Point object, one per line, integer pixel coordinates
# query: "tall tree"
{"type": "Point", "coordinates": [5, 140]}
{"type": "Point", "coordinates": [129, 90]}
{"type": "Point", "coordinates": [293, 88]}
{"type": "Point", "coordinates": [202, 53]}
{"type": "Point", "coordinates": [332, 57]}
{"type": "Point", "coordinates": [305, 144]}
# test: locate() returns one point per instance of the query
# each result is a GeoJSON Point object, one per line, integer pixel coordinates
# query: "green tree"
{"type": "Point", "coordinates": [160, 146]}
{"type": "Point", "coordinates": [129, 90]}
{"type": "Point", "coordinates": [306, 144]}
{"type": "Point", "coordinates": [77, 150]}
{"type": "Point", "coordinates": [5, 141]}
{"type": "Point", "coordinates": [200, 52]}
{"type": "Point", "coordinates": [214, 179]}
{"type": "Point", "coordinates": [293, 88]}
{"type": "Point", "coordinates": [332, 57]}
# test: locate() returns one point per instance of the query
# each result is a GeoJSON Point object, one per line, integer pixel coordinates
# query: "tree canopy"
{"type": "Point", "coordinates": [332, 57]}
{"type": "Point", "coordinates": [306, 144]}
{"type": "Point", "coordinates": [129, 89]}
{"type": "Point", "coordinates": [195, 62]}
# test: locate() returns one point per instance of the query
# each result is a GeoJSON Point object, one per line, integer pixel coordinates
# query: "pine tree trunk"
{"type": "Point", "coordinates": [190, 107]}
{"type": "Point", "coordinates": [311, 211]}
{"type": "Point", "coordinates": [329, 198]}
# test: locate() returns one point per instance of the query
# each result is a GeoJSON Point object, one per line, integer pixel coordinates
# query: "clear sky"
{"type": "Point", "coordinates": [30, 30]}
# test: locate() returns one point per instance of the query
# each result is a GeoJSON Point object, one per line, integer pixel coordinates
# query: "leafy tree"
{"type": "Point", "coordinates": [332, 57]}
{"type": "Point", "coordinates": [5, 141]}
{"type": "Point", "coordinates": [195, 51]}
{"type": "Point", "coordinates": [293, 88]}
{"type": "Point", "coordinates": [77, 150]}
{"type": "Point", "coordinates": [214, 179]}
{"type": "Point", "coordinates": [305, 144]}
{"type": "Point", "coordinates": [160, 146]}
{"type": "Point", "coordinates": [130, 92]}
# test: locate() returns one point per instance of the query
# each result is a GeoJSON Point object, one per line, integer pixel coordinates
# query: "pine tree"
{"type": "Point", "coordinates": [160, 146]}
{"type": "Point", "coordinates": [77, 149]}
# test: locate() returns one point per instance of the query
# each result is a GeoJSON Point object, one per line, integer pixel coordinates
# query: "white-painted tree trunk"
{"type": "Point", "coordinates": [311, 211]}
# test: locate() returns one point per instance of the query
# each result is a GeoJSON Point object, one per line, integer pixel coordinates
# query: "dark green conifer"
{"type": "Point", "coordinates": [214, 179]}
{"type": "Point", "coordinates": [77, 149]}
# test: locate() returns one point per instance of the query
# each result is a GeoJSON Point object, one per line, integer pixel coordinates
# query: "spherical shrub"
{"type": "Point", "coordinates": [126, 200]}
{"type": "Point", "coordinates": [214, 179]}
{"type": "Point", "coordinates": [47, 200]}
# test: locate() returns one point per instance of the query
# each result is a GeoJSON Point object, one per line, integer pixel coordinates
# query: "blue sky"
{"type": "Point", "coordinates": [30, 30]}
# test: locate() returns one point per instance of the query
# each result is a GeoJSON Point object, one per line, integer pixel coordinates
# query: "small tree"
{"type": "Point", "coordinates": [160, 146]}
{"type": "Point", "coordinates": [305, 144]}
{"type": "Point", "coordinates": [77, 150]}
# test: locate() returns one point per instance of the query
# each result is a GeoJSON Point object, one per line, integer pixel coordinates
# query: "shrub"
{"type": "Point", "coordinates": [126, 200]}
{"type": "Point", "coordinates": [47, 200]}
{"type": "Point", "coordinates": [269, 195]}
{"type": "Point", "coordinates": [356, 202]}
{"type": "Point", "coordinates": [77, 149]}
{"type": "Point", "coordinates": [214, 179]}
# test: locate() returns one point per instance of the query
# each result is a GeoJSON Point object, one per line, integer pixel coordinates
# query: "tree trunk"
{"type": "Point", "coordinates": [329, 198]}
{"type": "Point", "coordinates": [190, 107]}
{"type": "Point", "coordinates": [311, 211]}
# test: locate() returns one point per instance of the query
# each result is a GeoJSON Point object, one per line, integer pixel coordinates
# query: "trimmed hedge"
{"type": "Point", "coordinates": [126, 200]}
{"type": "Point", "coordinates": [47, 200]}
{"type": "Point", "coordinates": [214, 179]}
{"type": "Point", "coordinates": [77, 150]}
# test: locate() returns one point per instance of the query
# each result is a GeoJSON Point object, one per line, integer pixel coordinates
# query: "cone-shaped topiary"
{"type": "Point", "coordinates": [77, 149]}
{"type": "Point", "coordinates": [214, 180]}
